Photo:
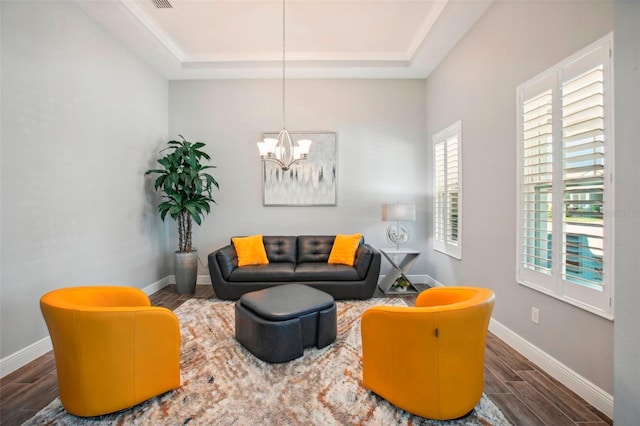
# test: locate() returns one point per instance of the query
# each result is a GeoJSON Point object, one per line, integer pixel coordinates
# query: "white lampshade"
{"type": "Point", "coordinates": [304, 145]}
{"type": "Point", "coordinates": [399, 212]}
{"type": "Point", "coordinates": [267, 147]}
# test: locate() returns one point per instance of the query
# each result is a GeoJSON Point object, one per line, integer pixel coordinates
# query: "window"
{"type": "Point", "coordinates": [447, 190]}
{"type": "Point", "coordinates": [565, 182]}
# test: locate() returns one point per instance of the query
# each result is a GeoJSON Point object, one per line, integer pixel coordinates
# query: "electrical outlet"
{"type": "Point", "coordinates": [535, 315]}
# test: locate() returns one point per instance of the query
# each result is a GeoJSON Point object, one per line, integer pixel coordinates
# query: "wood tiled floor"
{"type": "Point", "coordinates": [526, 394]}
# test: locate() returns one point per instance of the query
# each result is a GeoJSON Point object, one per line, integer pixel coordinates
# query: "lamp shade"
{"type": "Point", "coordinates": [399, 212]}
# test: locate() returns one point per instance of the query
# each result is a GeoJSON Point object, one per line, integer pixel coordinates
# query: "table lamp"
{"type": "Point", "coordinates": [397, 233]}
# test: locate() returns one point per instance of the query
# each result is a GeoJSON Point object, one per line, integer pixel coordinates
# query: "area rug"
{"type": "Point", "coordinates": [224, 384]}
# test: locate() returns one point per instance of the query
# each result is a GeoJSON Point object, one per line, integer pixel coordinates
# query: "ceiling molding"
{"type": "Point", "coordinates": [153, 27]}
{"type": "Point", "coordinates": [438, 31]}
{"type": "Point", "coordinates": [426, 26]}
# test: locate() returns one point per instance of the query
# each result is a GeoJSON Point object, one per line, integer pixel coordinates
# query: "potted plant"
{"type": "Point", "coordinates": [187, 193]}
{"type": "Point", "coordinates": [401, 284]}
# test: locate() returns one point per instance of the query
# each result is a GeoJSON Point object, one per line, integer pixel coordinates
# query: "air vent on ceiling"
{"type": "Point", "coordinates": [162, 4]}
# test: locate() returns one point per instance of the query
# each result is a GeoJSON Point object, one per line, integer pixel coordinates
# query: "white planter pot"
{"type": "Point", "coordinates": [186, 271]}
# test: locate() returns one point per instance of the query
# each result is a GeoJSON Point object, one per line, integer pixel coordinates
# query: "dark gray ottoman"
{"type": "Point", "coordinates": [277, 323]}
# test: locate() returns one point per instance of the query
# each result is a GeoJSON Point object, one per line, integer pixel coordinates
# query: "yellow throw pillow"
{"type": "Point", "coordinates": [344, 249]}
{"type": "Point", "coordinates": [250, 250]}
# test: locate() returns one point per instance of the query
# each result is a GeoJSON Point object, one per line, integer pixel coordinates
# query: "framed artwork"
{"type": "Point", "coordinates": [312, 182]}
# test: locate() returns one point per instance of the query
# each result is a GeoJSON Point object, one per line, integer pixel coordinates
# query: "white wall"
{"type": "Point", "coordinates": [476, 83]}
{"type": "Point", "coordinates": [627, 127]}
{"type": "Point", "coordinates": [381, 153]}
{"type": "Point", "coordinates": [82, 119]}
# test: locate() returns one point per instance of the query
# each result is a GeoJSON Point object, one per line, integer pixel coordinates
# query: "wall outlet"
{"type": "Point", "coordinates": [535, 315]}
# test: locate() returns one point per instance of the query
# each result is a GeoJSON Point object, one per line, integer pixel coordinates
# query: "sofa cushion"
{"type": "Point", "coordinates": [281, 249]}
{"type": "Point", "coordinates": [322, 271]}
{"type": "Point", "coordinates": [273, 272]}
{"type": "Point", "coordinates": [250, 250]}
{"type": "Point", "coordinates": [314, 248]}
{"type": "Point", "coordinates": [344, 249]}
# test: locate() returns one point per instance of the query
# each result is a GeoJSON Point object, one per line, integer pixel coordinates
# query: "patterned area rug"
{"type": "Point", "coordinates": [223, 384]}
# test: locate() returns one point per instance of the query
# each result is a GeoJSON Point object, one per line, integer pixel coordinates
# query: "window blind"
{"type": "Point", "coordinates": [447, 190]}
{"type": "Point", "coordinates": [440, 190]}
{"type": "Point", "coordinates": [452, 189]}
{"type": "Point", "coordinates": [565, 184]}
{"type": "Point", "coordinates": [583, 177]}
{"type": "Point", "coordinates": [536, 193]}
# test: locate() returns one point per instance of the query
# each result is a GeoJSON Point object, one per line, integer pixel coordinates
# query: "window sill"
{"type": "Point", "coordinates": [570, 301]}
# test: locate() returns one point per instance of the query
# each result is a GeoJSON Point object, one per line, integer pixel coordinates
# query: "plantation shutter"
{"type": "Point", "coordinates": [585, 100]}
{"type": "Point", "coordinates": [565, 185]}
{"type": "Point", "coordinates": [447, 190]}
{"type": "Point", "coordinates": [453, 189]}
{"type": "Point", "coordinates": [440, 192]}
{"type": "Point", "coordinates": [536, 192]}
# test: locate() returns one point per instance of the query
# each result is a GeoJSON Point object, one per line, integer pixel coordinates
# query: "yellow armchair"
{"type": "Point", "coordinates": [429, 359]}
{"type": "Point", "coordinates": [113, 350]}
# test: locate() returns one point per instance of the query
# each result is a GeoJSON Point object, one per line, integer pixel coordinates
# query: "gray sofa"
{"type": "Point", "coordinates": [296, 259]}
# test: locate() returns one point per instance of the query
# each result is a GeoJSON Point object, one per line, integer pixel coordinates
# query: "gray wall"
{"type": "Point", "coordinates": [82, 118]}
{"type": "Point", "coordinates": [476, 83]}
{"type": "Point", "coordinates": [627, 271]}
{"type": "Point", "coordinates": [381, 153]}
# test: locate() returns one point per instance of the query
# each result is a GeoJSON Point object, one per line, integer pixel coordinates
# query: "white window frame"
{"type": "Point", "coordinates": [443, 241]}
{"type": "Point", "coordinates": [551, 280]}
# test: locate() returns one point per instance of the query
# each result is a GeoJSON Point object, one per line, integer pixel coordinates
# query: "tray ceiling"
{"type": "Point", "coordinates": [324, 39]}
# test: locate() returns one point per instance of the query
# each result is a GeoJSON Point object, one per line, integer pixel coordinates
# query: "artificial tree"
{"type": "Point", "coordinates": [187, 192]}
{"type": "Point", "coordinates": [187, 188]}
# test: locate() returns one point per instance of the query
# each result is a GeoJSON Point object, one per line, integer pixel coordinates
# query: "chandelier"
{"type": "Point", "coordinates": [282, 150]}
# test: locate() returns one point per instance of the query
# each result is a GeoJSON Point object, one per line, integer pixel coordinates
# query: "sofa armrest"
{"type": "Point", "coordinates": [221, 263]}
{"type": "Point", "coordinates": [363, 259]}
{"type": "Point", "coordinates": [226, 259]}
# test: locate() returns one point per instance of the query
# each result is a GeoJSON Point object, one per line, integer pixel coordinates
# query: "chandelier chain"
{"type": "Point", "coordinates": [283, 151]}
{"type": "Point", "coordinates": [284, 121]}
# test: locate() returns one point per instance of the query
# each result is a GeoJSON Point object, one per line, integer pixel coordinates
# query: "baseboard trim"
{"type": "Point", "coordinates": [591, 393]}
{"type": "Point", "coordinates": [200, 280]}
{"type": "Point", "coordinates": [158, 285]}
{"type": "Point", "coordinates": [433, 282]}
{"type": "Point", "coordinates": [19, 359]}
{"type": "Point", "coordinates": [24, 356]}
{"type": "Point", "coordinates": [414, 279]}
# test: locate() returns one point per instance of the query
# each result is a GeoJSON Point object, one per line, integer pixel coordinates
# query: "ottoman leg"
{"type": "Point", "coordinates": [270, 341]}
{"type": "Point", "coordinates": [327, 327]}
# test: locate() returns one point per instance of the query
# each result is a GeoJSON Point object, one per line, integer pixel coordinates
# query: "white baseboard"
{"type": "Point", "coordinates": [574, 381]}
{"type": "Point", "coordinates": [432, 282]}
{"type": "Point", "coordinates": [19, 359]}
{"type": "Point", "coordinates": [24, 356]}
{"type": "Point", "coordinates": [414, 279]}
{"type": "Point", "coordinates": [200, 280]}
{"type": "Point", "coordinates": [158, 285]}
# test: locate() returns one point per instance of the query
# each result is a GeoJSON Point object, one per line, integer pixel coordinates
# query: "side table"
{"type": "Point", "coordinates": [409, 257]}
